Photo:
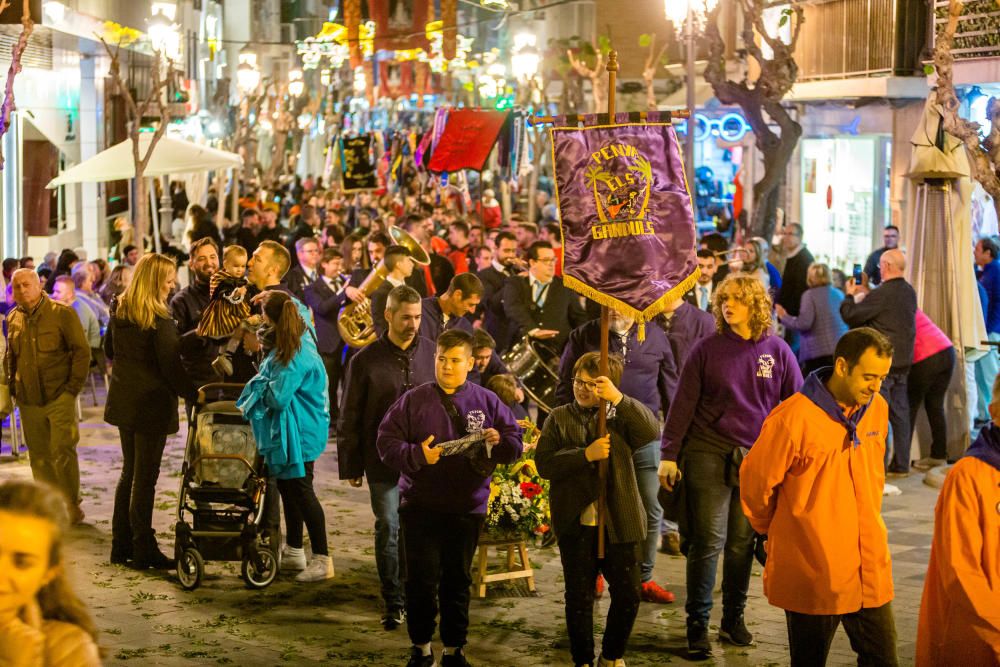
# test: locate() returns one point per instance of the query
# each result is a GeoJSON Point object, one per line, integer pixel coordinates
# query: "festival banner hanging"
{"type": "Point", "coordinates": [400, 24]}
{"type": "Point", "coordinates": [626, 218]}
{"type": "Point", "coordinates": [468, 138]}
{"type": "Point", "coordinates": [358, 170]}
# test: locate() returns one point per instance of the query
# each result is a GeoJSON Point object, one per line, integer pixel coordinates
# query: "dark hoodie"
{"type": "Point", "coordinates": [986, 448]}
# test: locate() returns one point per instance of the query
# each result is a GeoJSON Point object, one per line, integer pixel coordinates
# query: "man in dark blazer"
{"type": "Point", "coordinates": [377, 244]}
{"type": "Point", "coordinates": [400, 265]}
{"type": "Point", "coordinates": [306, 272]}
{"type": "Point", "coordinates": [494, 277]}
{"type": "Point", "coordinates": [325, 297]}
{"type": "Point", "coordinates": [539, 305]}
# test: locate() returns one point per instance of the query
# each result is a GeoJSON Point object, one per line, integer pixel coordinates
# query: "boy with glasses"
{"type": "Point", "coordinates": [568, 454]}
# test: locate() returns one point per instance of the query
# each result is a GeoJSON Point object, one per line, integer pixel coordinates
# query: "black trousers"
{"type": "Point", "coordinates": [872, 633]}
{"type": "Point", "coordinates": [334, 372]}
{"type": "Point", "coordinates": [302, 507]}
{"type": "Point", "coordinates": [620, 567]}
{"type": "Point", "coordinates": [927, 384]}
{"type": "Point", "coordinates": [894, 392]}
{"type": "Point", "coordinates": [437, 552]}
{"type": "Point", "coordinates": [132, 520]}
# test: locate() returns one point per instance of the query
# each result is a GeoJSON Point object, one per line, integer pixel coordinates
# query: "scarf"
{"type": "Point", "coordinates": [814, 388]}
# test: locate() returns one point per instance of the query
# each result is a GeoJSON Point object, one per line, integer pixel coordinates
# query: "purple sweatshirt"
{"type": "Point", "coordinates": [450, 486]}
{"type": "Point", "coordinates": [727, 388]}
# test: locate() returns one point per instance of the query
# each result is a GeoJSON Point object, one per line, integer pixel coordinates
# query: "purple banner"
{"type": "Point", "coordinates": [626, 218]}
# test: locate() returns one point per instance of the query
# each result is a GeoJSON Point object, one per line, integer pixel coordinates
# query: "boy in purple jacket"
{"type": "Point", "coordinates": [444, 491]}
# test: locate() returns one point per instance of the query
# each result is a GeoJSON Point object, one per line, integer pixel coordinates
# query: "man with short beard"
{"type": "Point", "coordinates": [376, 376]}
{"type": "Point", "coordinates": [197, 353]}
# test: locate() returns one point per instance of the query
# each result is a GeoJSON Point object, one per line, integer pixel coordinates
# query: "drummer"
{"type": "Point", "coordinates": [649, 366]}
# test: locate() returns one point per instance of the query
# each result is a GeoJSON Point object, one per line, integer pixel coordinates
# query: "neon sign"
{"type": "Point", "coordinates": [731, 127]}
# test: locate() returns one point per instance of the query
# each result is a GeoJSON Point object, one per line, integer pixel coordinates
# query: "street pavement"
{"type": "Point", "coordinates": [147, 619]}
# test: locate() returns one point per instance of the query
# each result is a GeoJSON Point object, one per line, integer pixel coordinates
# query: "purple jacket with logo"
{"type": "Point", "coordinates": [450, 486]}
{"type": "Point", "coordinates": [727, 388]}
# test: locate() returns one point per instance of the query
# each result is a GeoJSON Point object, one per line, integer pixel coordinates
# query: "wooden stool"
{"type": "Point", "coordinates": [514, 570]}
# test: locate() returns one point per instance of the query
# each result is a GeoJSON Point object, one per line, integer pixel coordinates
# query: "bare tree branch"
{"type": "Point", "coordinates": [596, 75]}
{"type": "Point", "coordinates": [27, 27]}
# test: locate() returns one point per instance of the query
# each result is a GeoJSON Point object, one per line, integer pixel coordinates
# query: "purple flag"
{"type": "Point", "coordinates": [627, 226]}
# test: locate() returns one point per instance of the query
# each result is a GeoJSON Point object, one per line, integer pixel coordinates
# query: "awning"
{"type": "Point", "coordinates": [170, 157]}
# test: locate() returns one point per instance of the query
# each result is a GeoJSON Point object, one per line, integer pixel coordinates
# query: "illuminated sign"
{"type": "Point", "coordinates": [731, 127]}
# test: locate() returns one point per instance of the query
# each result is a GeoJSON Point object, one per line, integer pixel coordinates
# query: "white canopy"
{"type": "Point", "coordinates": [170, 156]}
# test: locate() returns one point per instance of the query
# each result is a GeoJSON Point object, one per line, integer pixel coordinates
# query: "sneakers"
{"type": "Point", "coordinates": [653, 592]}
{"type": "Point", "coordinates": [891, 490]}
{"type": "Point", "coordinates": [599, 587]}
{"type": "Point", "coordinates": [927, 463]}
{"type": "Point", "coordinates": [456, 659]}
{"type": "Point", "coordinates": [418, 659]}
{"type": "Point", "coordinates": [699, 648]}
{"type": "Point", "coordinates": [735, 632]}
{"type": "Point", "coordinates": [671, 543]}
{"type": "Point", "coordinates": [319, 569]}
{"type": "Point", "coordinates": [393, 618]}
{"type": "Point", "coordinates": [292, 559]}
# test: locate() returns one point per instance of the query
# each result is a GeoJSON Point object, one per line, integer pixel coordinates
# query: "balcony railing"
{"type": "Point", "coordinates": [978, 33]}
{"type": "Point", "coordinates": [858, 38]}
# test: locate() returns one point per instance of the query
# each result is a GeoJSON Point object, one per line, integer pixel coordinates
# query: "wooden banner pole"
{"type": "Point", "coordinates": [602, 409]}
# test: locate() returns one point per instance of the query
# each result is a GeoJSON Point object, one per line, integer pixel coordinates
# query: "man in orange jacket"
{"type": "Point", "coordinates": [960, 611]}
{"type": "Point", "coordinates": [812, 483]}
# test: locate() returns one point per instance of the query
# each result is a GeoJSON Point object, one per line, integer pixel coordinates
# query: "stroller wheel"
{"type": "Point", "coordinates": [260, 569]}
{"type": "Point", "coordinates": [190, 569]}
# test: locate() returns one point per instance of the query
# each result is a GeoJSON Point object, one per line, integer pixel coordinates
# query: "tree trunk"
{"type": "Point", "coordinates": [140, 218]}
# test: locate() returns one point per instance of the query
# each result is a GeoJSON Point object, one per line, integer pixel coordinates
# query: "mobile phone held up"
{"type": "Point", "coordinates": [858, 273]}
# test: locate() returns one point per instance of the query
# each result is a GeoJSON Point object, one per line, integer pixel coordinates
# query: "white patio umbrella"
{"type": "Point", "coordinates": [170, 156]}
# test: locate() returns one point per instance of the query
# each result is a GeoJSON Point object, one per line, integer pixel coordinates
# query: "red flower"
{"type": "Point", "coordinates": [529, 489]}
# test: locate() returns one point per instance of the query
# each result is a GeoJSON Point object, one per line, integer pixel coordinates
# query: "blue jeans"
{"type": "Point", "coordinates": [385, 505]}
{"type": "Point", "coordinates": [715, 522]}
{"type": "Point", "coordinates": [986, 372]}
{"type": "Point", "coordinates": [646, 460]}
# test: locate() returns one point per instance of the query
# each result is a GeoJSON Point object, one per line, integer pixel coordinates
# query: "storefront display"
{"type": "Point", "coordinates": [845, 190]}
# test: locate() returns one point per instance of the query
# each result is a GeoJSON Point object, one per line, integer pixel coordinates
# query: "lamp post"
{"type": "Point", "coordinates": [686, 19]}
{"type": "Point", "coordinates": [165, 38]}
{"type": "Point", "coordinates": [524, 65]}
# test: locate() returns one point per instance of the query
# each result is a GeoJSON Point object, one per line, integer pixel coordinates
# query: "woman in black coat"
{"type": "Point", "coordinates": [146, 379]}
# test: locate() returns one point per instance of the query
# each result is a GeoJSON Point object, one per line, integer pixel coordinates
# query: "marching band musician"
{"type": "Point", "coordinates": [539, 305]}
{"type": "Point", "coordinates": [325, 297]}
{"type": "Point", "coordinates": [376, 376]}
{"type": "Point", "coordinates": [505, 264]}
{"type": "Point", "coordinates": [648, 367]}
{"type": "Point", "coordinates": [443, 498]}
{"type": "Point", "coordinates": [449, 310]}
{"type": "Point", "coordinates": [399, 264]}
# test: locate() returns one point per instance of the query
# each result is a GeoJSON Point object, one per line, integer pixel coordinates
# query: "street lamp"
{"type": "Point", "coordinates": [296, 85]}
{"type": "Point", "coordinates": [163, 34]}
{"type": "Point", "coordinates": [687, 16]}
{"type": "Point", "coordinates": [247, 74]}
{"type": "Point", "coordinates": [524, 63]}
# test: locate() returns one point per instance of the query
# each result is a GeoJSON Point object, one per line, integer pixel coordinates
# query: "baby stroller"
{"type": "Point", "coordinates": [223, 490]}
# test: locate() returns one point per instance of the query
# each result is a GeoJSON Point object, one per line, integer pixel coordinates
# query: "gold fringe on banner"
{"type": "Point", "coordinates": [352, 21]}
{"type": "Point", "coordinates": [640, 316]}
{"type": "Point", "coordinates": [449, 17]}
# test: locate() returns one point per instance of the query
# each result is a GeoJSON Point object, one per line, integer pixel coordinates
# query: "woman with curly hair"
{"type": "Point", "coordinates": [42, 621]}
{"type": "Point", "coordinates": [729, 384]}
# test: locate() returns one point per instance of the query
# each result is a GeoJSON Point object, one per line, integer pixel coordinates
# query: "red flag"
{"type": "Point", "coordinates": [395, 79]}
{"type": "Point", "coordinates": [468, 138]}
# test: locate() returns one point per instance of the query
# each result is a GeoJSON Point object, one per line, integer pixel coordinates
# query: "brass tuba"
{"type": "Point", "coordinates": [354, 322]}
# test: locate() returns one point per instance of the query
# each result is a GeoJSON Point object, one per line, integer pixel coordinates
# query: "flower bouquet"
{"type": "Point", "coordinates": [518, 506]}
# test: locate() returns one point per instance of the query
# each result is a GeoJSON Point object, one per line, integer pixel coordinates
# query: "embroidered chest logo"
{"type": "Point", "coordinates": [474, 421]}
{"type": "Point", "coordinates": [765, 366]}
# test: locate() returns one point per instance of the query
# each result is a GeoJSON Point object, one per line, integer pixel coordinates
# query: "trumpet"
{"type": "Point", "coordinates": [354, 322]}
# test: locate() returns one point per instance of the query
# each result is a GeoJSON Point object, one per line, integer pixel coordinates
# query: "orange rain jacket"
{"type": "Point", "coordinates": [819, 500]}
{"type": "Point", "coordinates": [960, 611]}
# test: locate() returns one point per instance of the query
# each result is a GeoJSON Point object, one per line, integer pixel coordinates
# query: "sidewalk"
{"type": "Point", "coordinates": [148, 619]}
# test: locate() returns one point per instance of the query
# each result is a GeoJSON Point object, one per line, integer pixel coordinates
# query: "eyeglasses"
{"type": "Point", "coordinates": [549, 260]}
{"type": "Point", "coordinates": [579, 383]}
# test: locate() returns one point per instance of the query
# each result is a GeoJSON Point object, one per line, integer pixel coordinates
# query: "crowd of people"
{"type": "Point", "coordinates": [761, 410]}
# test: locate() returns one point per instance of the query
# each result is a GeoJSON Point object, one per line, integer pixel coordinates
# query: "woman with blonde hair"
{"type": "Point", "coordinates": [730, 383]}
{"type": "Point", "coordinates": [42, 621]}
{"type": "Point", "coordinates": [757, 265]}
{"type": "Point", "coordinates": [819, 319]}
{"type": "Point", "coordinates": [146, 379]}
